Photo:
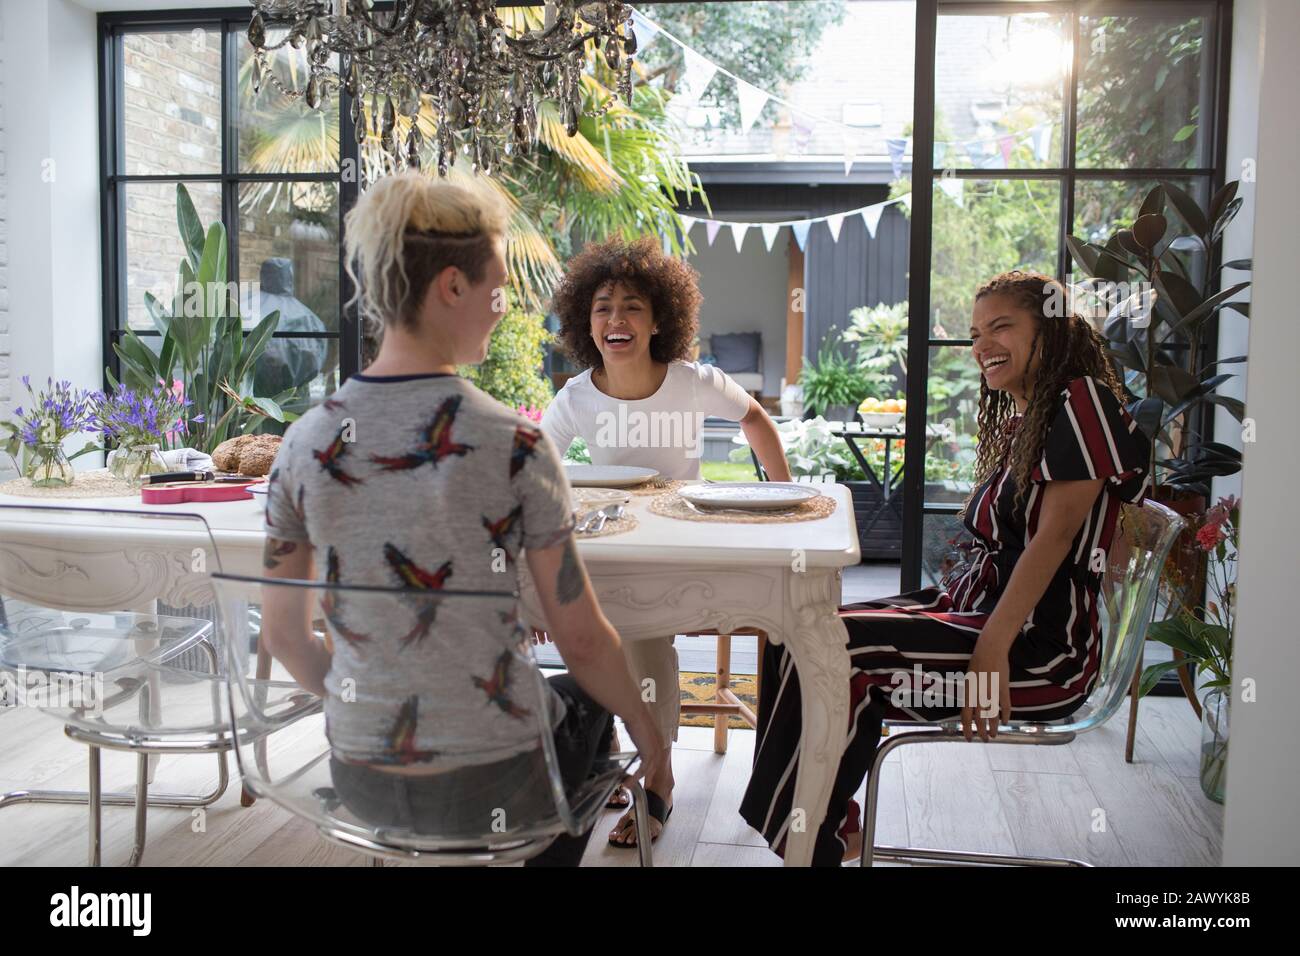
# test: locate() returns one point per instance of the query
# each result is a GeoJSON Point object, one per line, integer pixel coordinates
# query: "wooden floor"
{"type": "Point", "coordinates": [1081, 800]}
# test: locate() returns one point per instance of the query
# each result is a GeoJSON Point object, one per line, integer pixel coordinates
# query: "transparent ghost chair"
{"type": "Point", "coordinates": [435, 693]}
{"type": "Point", "coordinates": [1129, 589]}
{"type": "Point", "coordinates": [107, 625]}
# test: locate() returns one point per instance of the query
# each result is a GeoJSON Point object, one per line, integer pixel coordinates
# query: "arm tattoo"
{"type": "Point", "coordinates": [274, 550]}
{"type": "Point", "coordinates": [569, 583]}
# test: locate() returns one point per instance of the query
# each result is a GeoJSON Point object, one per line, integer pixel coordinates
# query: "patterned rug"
{"type": "Point", "coordinates": [699, 689]}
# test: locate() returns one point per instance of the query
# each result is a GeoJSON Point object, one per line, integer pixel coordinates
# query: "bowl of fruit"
{"type": "Point", "coordinates": [883, 413]}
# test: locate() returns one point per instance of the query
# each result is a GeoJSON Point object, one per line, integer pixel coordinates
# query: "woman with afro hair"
{"type": "Point", "coordinates": [1018, 622]}
{"type": "Point", "coordinates": [628, 316]}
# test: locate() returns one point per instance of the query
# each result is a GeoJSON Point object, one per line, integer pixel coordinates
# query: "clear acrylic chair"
{"type": "Point", "coordinates": [417, 639]}
{"type": "Point", "coordinates": [113, 607]}
{"type": "Point", "coordinates": [1128, 595]}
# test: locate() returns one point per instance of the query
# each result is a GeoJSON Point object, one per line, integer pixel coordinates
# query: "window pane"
{"type": "Point", "coordinates": [298, 373]}
{"type": "Point", "coordinates": [171, 110]}
{"type": "Point", "coordinates": [952, 392]}
{"type": "Point", "coordinates": [289, 246]}
{"type": "Point", "coordinates": [154, 249]}
{"type": "Point", "coordinates": [1142, 92]}
{"type": "Point", "coordinates": [1104, 206]}
{"type": "Point", "coordinates": [983, 227]}
{"type": "Point", "coordinates": [277, 133]}
{"type": "Point", "coordinates": [999, 85]}
{"type": "Point", "coordinates": [940, 534]}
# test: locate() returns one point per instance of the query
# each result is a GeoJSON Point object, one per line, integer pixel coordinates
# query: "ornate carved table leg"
{"type": "Point", "coordinates": [818, 640]}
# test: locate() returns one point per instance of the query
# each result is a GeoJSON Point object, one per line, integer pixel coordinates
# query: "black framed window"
{"type": "Point", "coordinates": [1035, 121]}
{"type": "Point", "coordinates": [178, 106]}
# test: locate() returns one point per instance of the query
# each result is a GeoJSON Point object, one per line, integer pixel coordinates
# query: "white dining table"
{"type": "Point", "coordinates": [666, 576]}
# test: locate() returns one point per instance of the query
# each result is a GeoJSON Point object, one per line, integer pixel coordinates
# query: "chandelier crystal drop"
{"type": "Point", "coordinates": [482, 79]}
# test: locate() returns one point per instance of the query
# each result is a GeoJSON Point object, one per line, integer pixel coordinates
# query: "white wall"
{"type": "Point", "coordinates": [1262, 819]}
{"type": "Point", "coordinates": [48, 94]}
{"type": "Point", "coordinates": [744, 291]}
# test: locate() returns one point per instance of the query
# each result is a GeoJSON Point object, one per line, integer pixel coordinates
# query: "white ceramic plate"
{"type": "Point", "coordinates": [588, 498]}
{"type": "Point", "coordinates": [608, 476]}
{"type": "Point", "coordinates": [752, 495]}
{"type": "Point", "coordinates": [260, 488]}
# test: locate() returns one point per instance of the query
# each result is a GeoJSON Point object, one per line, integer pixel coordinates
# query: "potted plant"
{"type": "Point", "coordinates": [1156, 331]}
{"type": "Point", "coordinates": [879, 334]}
{"type": "Point", "coordinates": [36, 439]}
{"type": "Point", "coordinates": [833, 384]}
{"type": "Point", "coordinates": [203, 343]}
{"type": "Point", "coordinates": [511, 372]}
{"type": "Point", "coordinates": [1203, 635]}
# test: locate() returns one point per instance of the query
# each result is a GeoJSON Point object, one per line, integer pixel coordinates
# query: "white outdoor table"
{"type": "Point", "coordinates": [665, 577]}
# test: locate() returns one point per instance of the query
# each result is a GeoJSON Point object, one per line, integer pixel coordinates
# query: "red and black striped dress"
{"type": "Point", "coordinates": [1053, 662]}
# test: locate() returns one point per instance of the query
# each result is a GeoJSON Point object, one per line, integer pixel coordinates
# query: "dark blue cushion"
{"type": "Point", "coordinates": [737, 351]}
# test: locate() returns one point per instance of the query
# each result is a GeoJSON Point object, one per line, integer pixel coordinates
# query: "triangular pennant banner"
{"type": "Point", "coordinates": [906, 200]}
{"type": "Point", "coordinates": [833, 223]}
{"type": "Point", "coordinates": [738, 230]}
{"type": "Point", "coordinates": [955, 188]}
{"type": "Point", "coordinates": [850, 151]}
{"type": "Point", "coordinates": [871, 218]}
{"type": "Point", "coordinates": [896, 148]}
{"type": "Point", "coordinates": [687, 222]}
{"type": "Point", "coordinates": [800, 230]}
{"type": "Point", "coordinates": [699, 74]}
{"type": "Point", "coordinates": [711, 227]}
{"type": "Point", "coordinates": [770, 229]}
{"type": "Point", "coordinates": [752, 101]}
{"type": "Point", "coordinates": [1006, 143]}
{"type": "Point", "coordinates": [644, 30]}
{"type": "Point", "coordinates": [1043, 145]}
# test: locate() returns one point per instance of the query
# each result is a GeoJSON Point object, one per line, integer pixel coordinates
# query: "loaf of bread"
{"type": "Point", "coordinates": [250, 455]}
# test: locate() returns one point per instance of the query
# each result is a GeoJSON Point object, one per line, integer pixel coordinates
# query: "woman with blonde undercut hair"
{"type": "Point", "coordinates": [409, 476]}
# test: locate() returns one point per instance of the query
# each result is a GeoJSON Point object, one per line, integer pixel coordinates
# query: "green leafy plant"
{"type": "Point", "coordinates": [512, 370]}
{"type": "Point", "coordinates": [1157, 332]}
{"type": "Point", "coordinates": [880, 335]}
{"type": "Point", "coordinates": [834, 378]}
{"type": "Point", "coordinates": [203, 344]}
{"type": "Point", "coordinates": [578, 452]}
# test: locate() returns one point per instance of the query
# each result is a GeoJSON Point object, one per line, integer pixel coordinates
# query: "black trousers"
{"type": "Point", "coordinates": [469, 801]}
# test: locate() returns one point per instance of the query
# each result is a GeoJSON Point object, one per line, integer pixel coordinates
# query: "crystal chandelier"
{"type": "Point", "coordinates": [482, 79]}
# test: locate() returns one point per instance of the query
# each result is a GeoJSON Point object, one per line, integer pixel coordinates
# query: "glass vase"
{"type": "Point", "coordinates": [49, 466]}
{"type": "Point", "coordinates": [1214, 743]}
{"type": "Point", "coordinates": [135, 463]}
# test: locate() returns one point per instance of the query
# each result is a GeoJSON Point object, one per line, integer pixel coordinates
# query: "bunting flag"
{"type": "Point", "coordinates": [801, 227]}
{"type": "Point", "coordinates": [906, 200]}
{"type": "Point", "coordinates": [850, 151]}
{"type": "Point", "coordinates": [1043, 143]}
{"type": "Point", "coordinates": [644, 30]}
{"type": "Point", "coordinates": [955, 189]}
{"type": "Point", "coordinates": [896, 147]}
{"type": "Point", "coordinates": [871, 218]}
{"type": "Point", "coordinates": [752, 101]}
{"type": "Point", "coordinates": [738, 230]}
{"type": "Point", "coordinates": [1006, 143]}
{"type": "Point", "coordinates": [833, 223]}
{"type": "Point", "coordinates": [800, 230]}
{"type": "Point", "coordinates": [699, 74]}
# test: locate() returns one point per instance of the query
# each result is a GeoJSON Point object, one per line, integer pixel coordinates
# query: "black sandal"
{"type": "Point", "coordinates": [659, 810]}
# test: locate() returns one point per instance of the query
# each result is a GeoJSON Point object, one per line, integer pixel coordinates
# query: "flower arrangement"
{"type": "Point", "coordinates": [130, 416]}
{"type": "Point", "coordinates": [55, 412]}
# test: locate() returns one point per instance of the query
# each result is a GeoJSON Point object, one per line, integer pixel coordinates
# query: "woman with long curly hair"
{"type": "Point", "coordinates": [628, 314]}
{"type": "Point", "coordinates": [1016, 627]}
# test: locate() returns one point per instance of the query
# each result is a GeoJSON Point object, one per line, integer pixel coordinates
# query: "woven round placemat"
{"type": "Point", "coordinates": [655, 486]}
{"type": "Point", "coordinates": [673, 505]}
{"type": "Point", "coordinates": [612, 526]}
{"type": "Point", "coordinates": [97, 483]}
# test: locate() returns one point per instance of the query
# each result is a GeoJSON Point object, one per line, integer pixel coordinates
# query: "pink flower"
{"type": "Point", "coordinates": [1210, 535]}
{"type": "Point", "coordinates": [531, 412]}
